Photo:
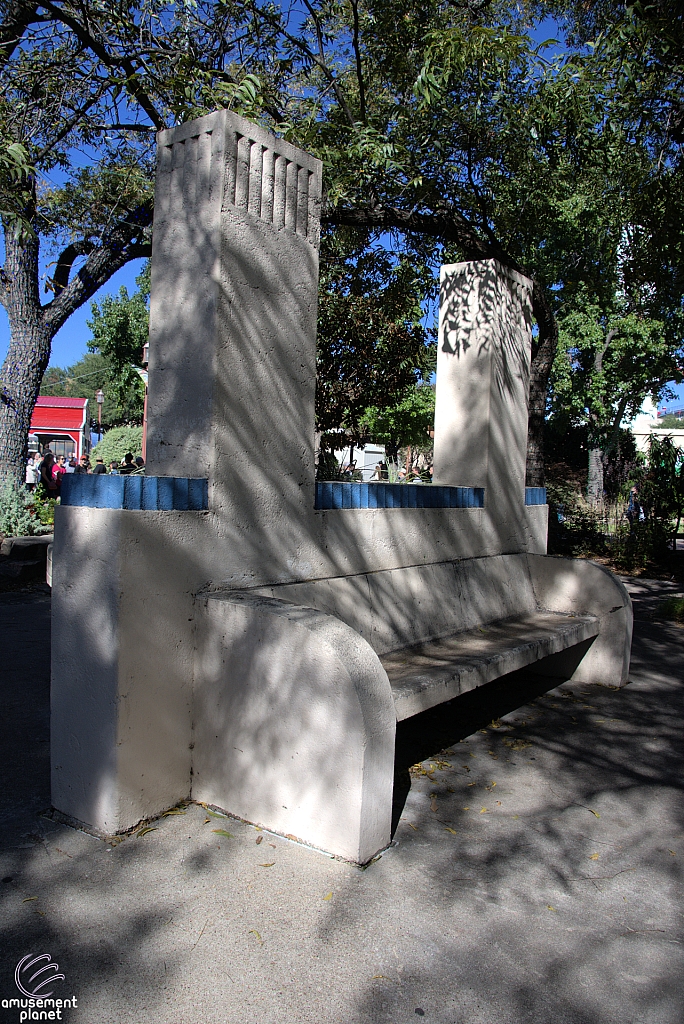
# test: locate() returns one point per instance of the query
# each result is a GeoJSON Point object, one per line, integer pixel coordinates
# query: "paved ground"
{"type": "Point", "coordinates": [536, 874]}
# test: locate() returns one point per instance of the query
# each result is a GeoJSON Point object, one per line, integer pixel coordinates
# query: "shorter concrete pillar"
{"type": "Point", "coordinates": [483, 373]}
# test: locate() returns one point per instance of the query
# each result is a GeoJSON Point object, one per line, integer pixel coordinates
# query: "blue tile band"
{"type": "Point", "coordinates": [535, 495]}
{"type": "Point", "coordinates": [135, 493]}
{"type": "Point", "coordinates": [336, 494]}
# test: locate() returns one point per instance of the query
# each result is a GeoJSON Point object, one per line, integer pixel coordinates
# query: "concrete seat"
{"type": "Point", "coordinates": [431, 673]}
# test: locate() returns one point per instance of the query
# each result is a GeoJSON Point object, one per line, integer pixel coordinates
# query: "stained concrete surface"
{"type": "Point", "coordinates": [536, 874]}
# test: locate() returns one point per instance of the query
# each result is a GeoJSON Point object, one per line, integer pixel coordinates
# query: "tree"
{"type": "Point", "coordinates": [371, 343]}
{"type": "Point", "coordinates": [442, 125]}
{"type": "Point", "coordinates": [90, 374]}
{"type": "Point", "coordinates": [406, 423]}
{"type": "Point", "coordinates": [93, 80]}
{"type": "Point", "coordinates": [609, 360]}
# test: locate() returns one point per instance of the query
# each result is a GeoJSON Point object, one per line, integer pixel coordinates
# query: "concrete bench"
{"type": "Point", "coordinates": [298, 687]}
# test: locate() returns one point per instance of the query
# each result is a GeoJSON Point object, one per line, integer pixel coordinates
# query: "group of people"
{"type": "Point", "coordinates": [413, 476]}
{"type": "Point", "coordinates": [43, 468]}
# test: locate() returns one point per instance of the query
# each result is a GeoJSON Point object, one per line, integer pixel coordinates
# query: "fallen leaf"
{"type": "Point", "coordinates": [472, 784]}
{"type": "Point", "coordinates": [483, 810]}
{"type": "Point", "coordinates": [517, 744]}
{"type": "Point", "coordinates": [174, 810]}
{"type": "Point", "coordinates": [449, 789]}
{"type": "Point", "coordinates": [216, 814]}
{"type": "Point", "coordinates": [595, 813]}
{"type": "Point", "coordinates": [29, 899]}
{"type": "Point", "coordinates": [466, 808]}
{"type": "Point", "coordinates": [379, 977]}
{"type": "Point", "coordinates": [41, 912]}
{"type": "Point", "coordinates": [594, 856]}
{"type": "Point", "coordinates": [145, 831]}
{"type": "Point", "coordinates": [260, 839]}
{"type": "Point", "coordinates": [515, 817]}
{"type": "Point", "coordinates": [269, 865]}
{"type": "Point", "coordinates": [498, 802]}
{"type": "Point", "coordinates": [493, 783]}
{"type": "Point", "coordinates": [206, 821]}
{"type": "Point", "coordinates": [433, 803]}
{"type": "Point", "coordinates": [495, 723]}
{"type": "Point", "coordinates": [252, 931]}
{"type": "Point", "coordinates": [414, 827]}
{"type": "Point", "coordinates": [549, 907]}
{"type": "Point", "coordinates": [672, 852]}
{"type": "Point", "coordinates": [328, 896]}
{"type": "Point", "coordinates": [473, 755]}
{"type": "Point", "coordinates": [452, 830]}
{"type": "Point", "coordinates": [222, 832]}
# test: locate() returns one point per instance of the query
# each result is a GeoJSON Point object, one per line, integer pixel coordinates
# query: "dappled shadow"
{"type": "Point", "coordinates": [458, 925]}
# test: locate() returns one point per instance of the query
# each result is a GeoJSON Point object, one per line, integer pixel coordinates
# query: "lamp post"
{"type": "Point", "coordinates": [99, 397]}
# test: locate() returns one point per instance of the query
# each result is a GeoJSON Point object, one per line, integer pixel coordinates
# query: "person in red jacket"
{"type": "Point", "coordinates": [58, 471]}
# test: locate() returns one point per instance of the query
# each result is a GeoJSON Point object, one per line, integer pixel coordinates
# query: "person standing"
{"type": "Point", "coordinates": [83, 465]}
{"type": "Point", "coordinates": [128, 465]}
{"type": "Point", "coordinates": [33, 471]}
{"type": "Point", "coordinates": [59, 471]}
{"type": "Point", "coordinates": [99, 466]}
{"type": "Point", "coordinates": [46, 476]}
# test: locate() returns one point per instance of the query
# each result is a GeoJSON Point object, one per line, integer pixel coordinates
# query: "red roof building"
{"type": "Point", "coordinates": [60, 424]}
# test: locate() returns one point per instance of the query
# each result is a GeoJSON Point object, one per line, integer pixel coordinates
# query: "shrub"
{"type": "Point", "coordinates": [43, 506]}
{"type": "Point", "coordinates": [672, 608]}
{"type": "Point", "coordinates": [116, 443]}
{"type": "Point", "coordinates": [17, 517]}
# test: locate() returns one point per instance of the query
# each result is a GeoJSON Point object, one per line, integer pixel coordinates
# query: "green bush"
{"type": "Point", "coordinates": [672, 608]}
{"type": "Point", "coordinates": [116, 443]}
{"type": "Point", "coordinates": [43, 506]}
{"type": "Point", "coordinates": [17, 517]}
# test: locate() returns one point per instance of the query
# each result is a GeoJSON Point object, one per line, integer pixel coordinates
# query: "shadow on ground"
{"type": "Point", "coordinates": [535, 874]}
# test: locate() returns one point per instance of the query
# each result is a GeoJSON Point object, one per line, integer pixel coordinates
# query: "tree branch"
{"type": "Point", "coordinates": [19, 16]}
{"type": "Point", "coordinates": [89, 42]}
{"type": "Point", "coordinates": [125, 242]}
{"type": "Point", "coordinates": [359, 66]}
{"type": "Point", "coordinates": [60, 278]}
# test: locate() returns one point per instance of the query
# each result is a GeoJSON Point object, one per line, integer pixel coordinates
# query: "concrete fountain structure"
{"type": "Point", "coordinates": [229, 630]}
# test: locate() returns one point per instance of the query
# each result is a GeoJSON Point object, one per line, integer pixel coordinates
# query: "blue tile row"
{"type": "Point", "coordinates": [335, 494]}
{"type": "Point", "coordinates": [535, 495]}
{"type": "Point", "coordinates": [137, 493]}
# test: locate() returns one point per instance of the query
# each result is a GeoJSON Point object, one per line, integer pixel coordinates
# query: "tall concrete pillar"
{"type": "Point", "coordinates": [233, 321]}
{"type": "Point", "coordinates": [482, 395]}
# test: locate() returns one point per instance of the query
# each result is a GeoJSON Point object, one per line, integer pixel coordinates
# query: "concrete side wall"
{"type": "Point", "coordinates": [123, 638]}
{"type": "Point", "coordinates": [294, 724]}
{"type": "Point", "coordinates": [86, 637]}
{"type": "Point", "coordinates": [575, 584]}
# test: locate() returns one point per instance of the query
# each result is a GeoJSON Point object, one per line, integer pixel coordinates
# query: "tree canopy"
{"type": "Point", "coordinates": [445, 130]}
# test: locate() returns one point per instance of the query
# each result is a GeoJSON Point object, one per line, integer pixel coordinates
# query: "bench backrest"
{"type": "Point", "coordinates": [399, 607]}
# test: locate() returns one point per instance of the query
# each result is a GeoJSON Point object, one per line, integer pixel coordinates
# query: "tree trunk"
{"type": "Point", "coordinates": [28, 354]}
{"type": "Point", "coordinates": [543, 354]}
{"type": "Point", "coordinates": [595, 477]}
